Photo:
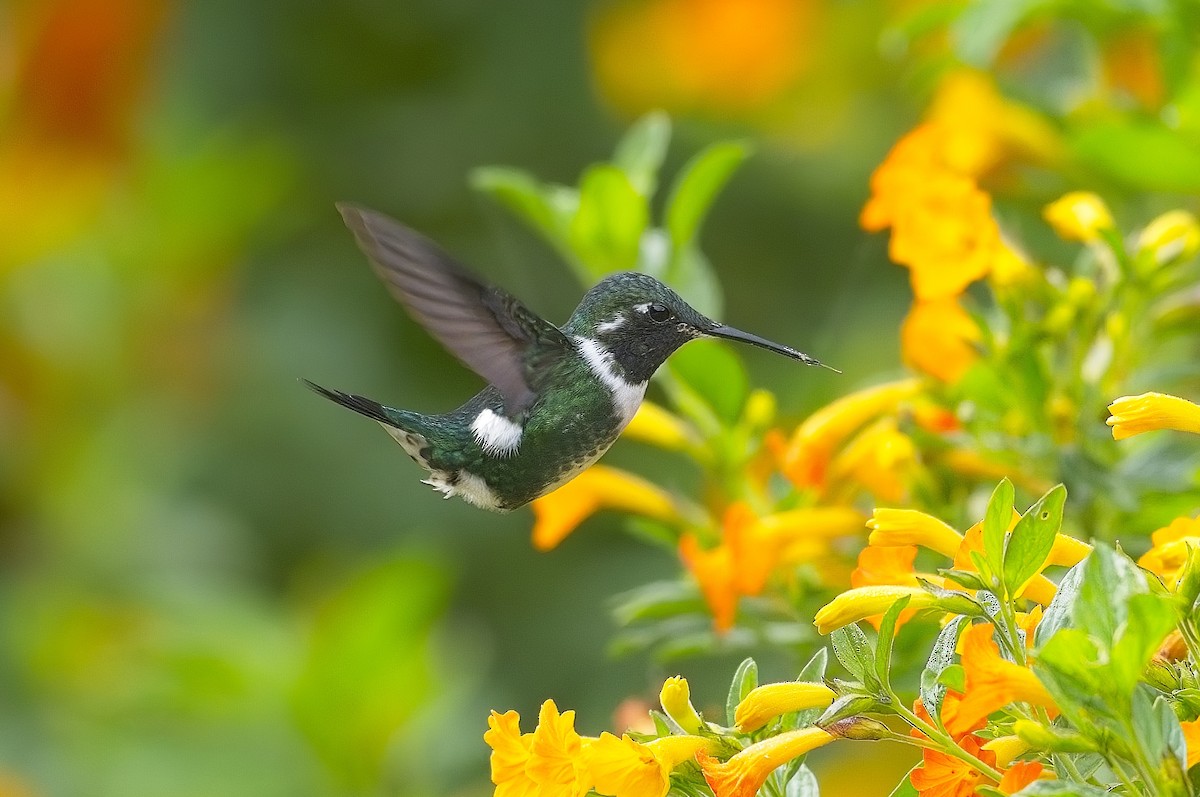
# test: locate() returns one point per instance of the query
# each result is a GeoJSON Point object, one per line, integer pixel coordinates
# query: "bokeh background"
{"type": "Point", "coordinates": [213, 582]}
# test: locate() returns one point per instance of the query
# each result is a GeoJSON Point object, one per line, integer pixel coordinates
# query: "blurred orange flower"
{"type": "Point", "coordinates": [599, 487]}
{"type": "Point", "coordinates": [1131, 58]}
{"type": "Point", "coordinates": [714, 56]}
{"type": "Point", "coordinates": [939, 338]}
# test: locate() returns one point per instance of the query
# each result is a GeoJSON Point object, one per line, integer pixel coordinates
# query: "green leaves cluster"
{"type": "Point", "coordinates": [605, 224]}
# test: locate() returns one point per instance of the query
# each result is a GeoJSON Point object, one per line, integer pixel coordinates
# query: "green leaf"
{"type": "Point", "coordinates": [848, 705]}
{"type": "Point", "coordinates": [853, 650]}
{"type": "Point", "coordinates": [745, 679]}
{"type": "Point", "coordinates": [1144, 155]}
{"type": "Point", "coordinates": [1060, 788]}
{"type": "Point", "coordinates": [715, 374]}
{"type": "Point", "coordinates": [940, 657]}
{"type": "Point", "coordinates": [815, 669]}
{"type": "Point", "coordinates": [954, 677]}
{"type": "Point", "coordinates": [659, 599]}
{"type": "Point", "coordinates": [1110, 579]}
{"type": "Point", "coordinates": [697, 185]}
{"type": "Point", "coordinates": [1150, 618]}
{"type": "Point", "coordinates": [547, 210]}
{"type": "Point", "coordinates": [984, 26]}
{"type": "Point", "coordinates": [995, 524]}
{"type": "Point", "coordinates": [803, 784]}
{"type": "Point", "coordinates": [641, 151]}
{"type": "Point", "coordinates": [607, 228]}
{"type": "Point", "coordinates": [887, 632]}
{"type": "Point", "coordinates": [1032, 538]}
{"type": "Point", "coordinates": [968, 579]}
{"type": "Point", "coordinates": [1059, 614]}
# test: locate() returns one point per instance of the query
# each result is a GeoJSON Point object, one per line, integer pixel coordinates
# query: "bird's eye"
{"type": "Point", "coordinates": [658, 313]}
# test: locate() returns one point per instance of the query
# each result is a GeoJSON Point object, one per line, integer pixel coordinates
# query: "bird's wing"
{"type": "Point", "coordinates": [489, 330]}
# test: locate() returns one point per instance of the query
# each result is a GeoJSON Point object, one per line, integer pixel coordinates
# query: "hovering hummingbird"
{"type": "Point", "coordinates": [557, 397]}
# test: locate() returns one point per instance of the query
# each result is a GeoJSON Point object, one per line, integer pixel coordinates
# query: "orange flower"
{"type": "Point", "coordinates": [1019, 775]}
{"type": "Point", "coordinates": [943, 775]}
{"type": "Point", "coordinates": [955, 723]}
{"type": "Point", "coordinates": [744, 774]}
{"type": "Point", "coordinates": [1191, 738]}
{"type": "Point", "coordinates": [939, 338]}
{"type": "Point", "coordinates": [700, 55]}
{"type": "Point", "coordinates": [714, 573]}
{"type": "Point", "coordinates": [599, 487]}
{"type": "Point", "coordinates": [993, 682]}
{"type": "Point", "coordinates": [892, 565]}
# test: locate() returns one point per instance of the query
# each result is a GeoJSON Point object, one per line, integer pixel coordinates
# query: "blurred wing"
{"type": "Point", "coordinates": [490, 331]}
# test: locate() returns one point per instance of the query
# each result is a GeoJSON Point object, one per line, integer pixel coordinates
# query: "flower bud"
{"type": "Point", "coordinates": [1079, 216]}
{"type": "Point", "coordinates": [1051, 740]}
{"type": "Point", "coordinates": [862, 729]}
{"type": "Point", "coordinates": [1175, 235]}
{"type": "Point", "coordinates": [677, 704]}
{"type": "Point", "coordinates": [768, 701]}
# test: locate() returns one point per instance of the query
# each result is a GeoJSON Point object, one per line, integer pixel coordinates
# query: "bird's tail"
{"type": "Point", "coordinates": [360, 404]}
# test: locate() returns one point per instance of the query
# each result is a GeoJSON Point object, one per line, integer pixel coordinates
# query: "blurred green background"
{"type": "Point", "coordinates": [213, 582]}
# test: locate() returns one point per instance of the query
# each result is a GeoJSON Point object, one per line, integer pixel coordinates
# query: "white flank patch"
{"type": "Point", "coordinates": [626, 396]}
{"type": "Point", "coordinates": [611, 324]}
{"type": "Point", "coordinates": [498, 436]}
{"type": "Point", "coordinates": [469, 487]}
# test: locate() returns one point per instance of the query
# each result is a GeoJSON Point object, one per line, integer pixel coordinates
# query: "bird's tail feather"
{"type": "Point", "coordinates": [360, 404]}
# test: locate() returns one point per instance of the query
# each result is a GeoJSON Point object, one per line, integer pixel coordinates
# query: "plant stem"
{"type": "Point", "coordinates": [946, 742]}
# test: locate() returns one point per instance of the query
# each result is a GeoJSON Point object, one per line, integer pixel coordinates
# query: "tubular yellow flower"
{"type": "Point", "coordinates": [822, 433]}
{"type": "Point", "coordinates": [911, 527]}
{"type": "Point", "coordinates": [510, 754]}
{"type": "Point", "coordinates": [622, 767]}
{"type": "Point", "coordinates": [1006, 748]}
{"type": "Point", "coordinates": [599, 487]}
{"type": "Point", "coordinates": [1175, 235]}
{"type": "Point", "coordinates": [862, 602]}
{"type": "Point", "coordinates": [993, 682]}
{"type": "Point", "coordinates": [939, 338]}
{"type": "Point", "coordinates": [880, 459]}
{"type": "Point", "coordinates": [1078, 216]}
{"type": "Point", "coordinates": [676, 700]}
{"type": "Point", "coordinates": [768, 701]}
{"type": "Point", "coordinates": [1150, 412]}
{"type": "Point", "coordinates": [1067, 551]}
{"type": "Point", "coordinates": [744, 774]}
{"type": "Point", "coordinates": [1169, 554]}
{"type": "Point", "coordinates": [554, 754]}
{"type": "Point", "coordinates": [655, 425]}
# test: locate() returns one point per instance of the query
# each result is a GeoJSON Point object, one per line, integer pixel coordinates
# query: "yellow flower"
{"type": "Point", "coordinates": [555, 754]}
{"type": "Point", "coordinates": [1169, 554]}
{"type": "Point", "coordinates": [768, 701]}
{"type": "Point", "coordinates": [510, 754]}
{"type": "Point", "coordinates": [1006, 749]}
{"type": "Point", "coordinates": [862, 602]}
{"type": "Point", "coordinates": [1079, 216]}
{"type": "Point", "coordinates": [1067, 551]}
{"type": "Point", "coordinates": [1191, 738]}
{"type": "Point", "coordinates": [599, 487]}
{"type": "Point", "coordinates": [814, 442]}
{"type": "Point", "coordinates": [655, 425]}
{"type": "Point", "coordinates": [1175, 235]}
{"type": "Point", "coordinates": [911, 527]}
{"type": "Point", "coordinates": [676, 700]}
{"type": "Point", "coordinates": [622, 767]}
{"type": "Point", "coordinates": [744, 774]}
{"type": "Point", "coordinates": [800, 535]}
{"type": "Point", "coordinates": [881, 459]}
{"type": "Point", "coordinates": [1150, 412]}
{"type": "Point", "coordinates": [993, 682]}
{"type": "Point", "coordinates": [939, 338]}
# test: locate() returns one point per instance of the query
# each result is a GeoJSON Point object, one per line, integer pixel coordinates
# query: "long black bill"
{"type": "Point", "coordinates": [730, 333]}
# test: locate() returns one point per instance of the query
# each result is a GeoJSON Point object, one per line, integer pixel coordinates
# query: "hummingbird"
{"type": "Point", "coordinates": [557, 397]}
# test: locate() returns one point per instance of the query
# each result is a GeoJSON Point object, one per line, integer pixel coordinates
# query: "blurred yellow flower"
{"type": "Point", "coordinates": [713, 56]}
{"type": "Point", "coordinates": [657, 426]}
{"type": "Point", "coordinates": [939, 338]}
{"type": "Point", "coordinates": [599, 487]}
{"type": "Point", "coordinates": [862, 602]}
{"type": "Point", "coordinates": [1150, 412]}
{"type": "Point", "coordinates": [1079, 216]}
{"type": "Point", "coordinates": [1175, 235]}
{"type": "Point", "coordinates": [814, 442]}
{"type": "Point", "coordinates": [1191, 738]}
{"type": "Point", "coordinates": [622, 767]}
{"type": "Point", "coordinates": [744, 774]}
{"type": "Point", "coordinates": [912, 527]}
{"type": "Point", "coordinates": [766, 702]}
{"type": "Point", "coordinates": [880, 459]}
{"type": "Point", "coordinates": [1169, 553]}
{"type": "Point", "coordinates": [993, 682]}
{"type": "Point", "coordinates": [675, 697]}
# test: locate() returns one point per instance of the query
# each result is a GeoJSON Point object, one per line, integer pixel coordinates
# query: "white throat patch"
{"type": "Point", "coordinates": [626, 396]}
{"type": "Point", "coordinates": [497, 435]}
